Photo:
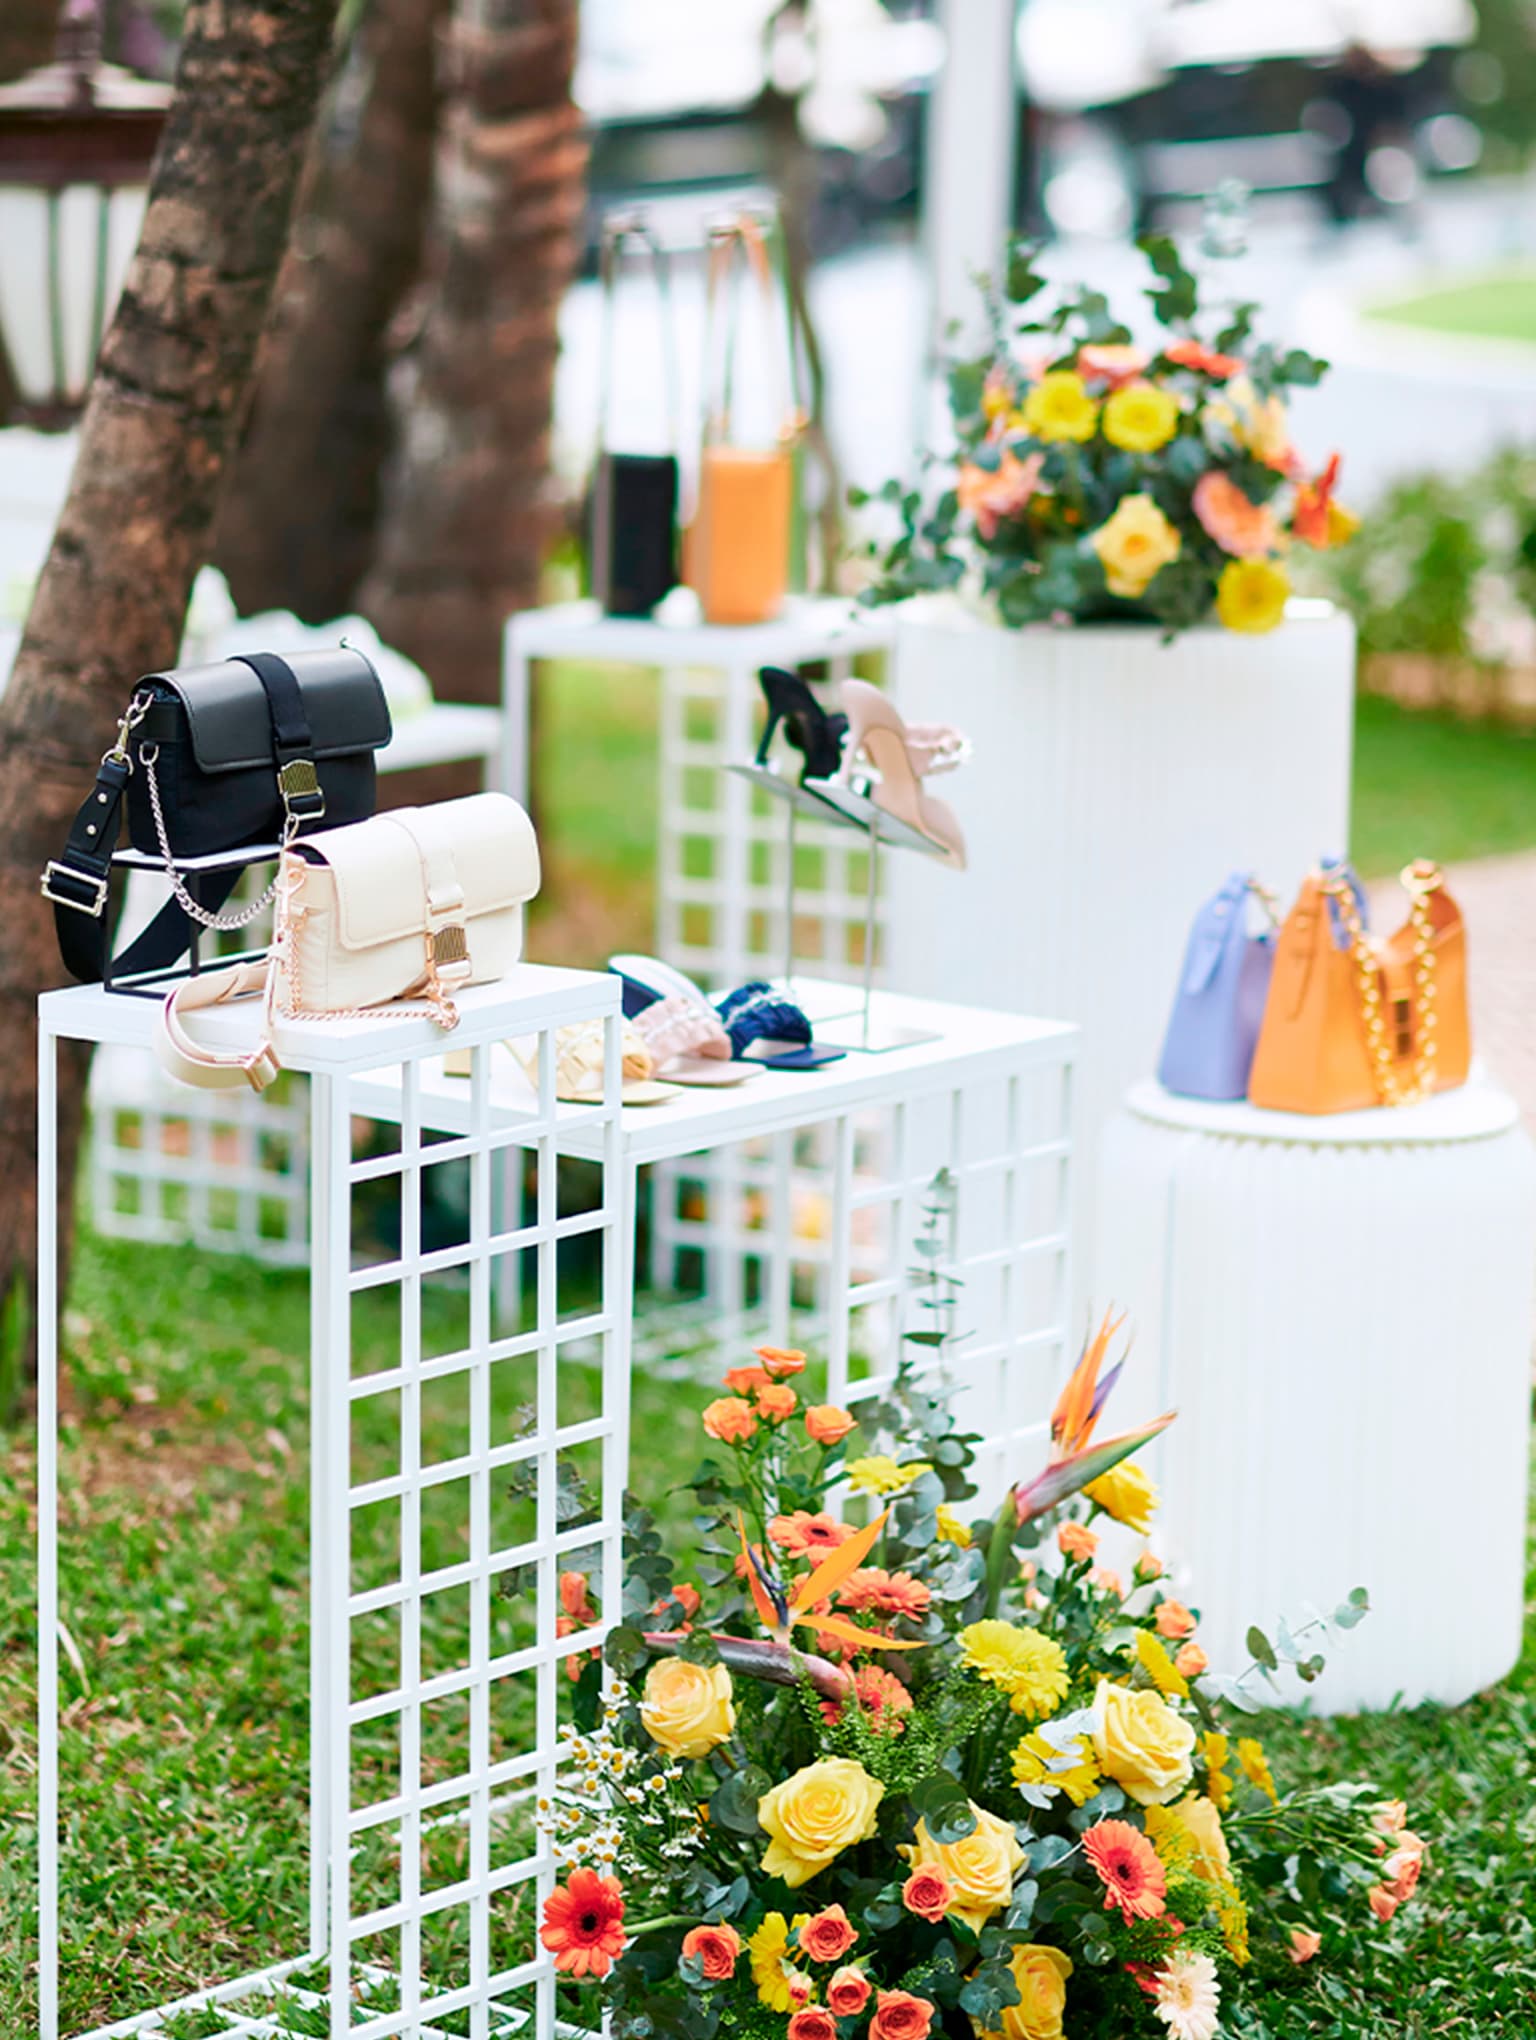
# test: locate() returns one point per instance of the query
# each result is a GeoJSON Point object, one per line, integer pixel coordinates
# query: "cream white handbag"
{"type": "Point", "coordinates": [384, 919]}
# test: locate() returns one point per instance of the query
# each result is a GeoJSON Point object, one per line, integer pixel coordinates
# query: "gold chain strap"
{"type": "Point", "coordinates": [435, 1004]}
{"type": "Point", "coordinates": [1420, 880]}
{"type": "Point", "coordinates": [1268, 900]}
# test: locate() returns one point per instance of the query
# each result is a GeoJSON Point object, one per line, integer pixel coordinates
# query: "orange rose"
{"type": "Point", "coordinates": [813, 2024]}
{"type": "Point", "coordinates": [1304, 1944]}
{"type": "Point", "coordinates": [1382, 1902]}
{"type": "Point", "coordinates": [1112, 362]}
{"type": "Point", "coordinates": [848, 1993]}
{"type": "Point", "coordinates": [900, 2016]}
{"type": "Point", "coordinates": [687, 1598]}
{"type": "Point", "coordinates": [1391, 1817]}
{"type": "Point", "coordinates": [1105, 1578]}
{"type": "Point", "coordinates": [776, 1402]}
{"type": "Point", "coordinates": [927, 1893]}
{"type": "Point", "coordinates": [799, 1986]}
{"type": "Point", "coordinates": [1076, 1540]}
{"type": "Point", "coordinates": [746, 1380]}
{"type": "Point", "coordinates": [730, 1420]}
{"type": "Point", "coordinates": [827, 1425]}
{"type": "Point", "coordinates": [1191, 1661]}
{"type": "Point", "coordinates": [829, 1936]}
{"type": "Point", "coordinates": [1402, 1867]}
{"type": "Point", "coordinates": [1191, 354]}
{"type": "Point", "coordinates": [781, 1360]}
{"type": "Point", "coordinates": [1174, 1620]}
{"type": "Point", "coordinates": [717, 1948]}
{"type": "Point", "coordinates": [1149, 1566]}
{"type": "Point", "coordinates": [573, 1597]}
{"type": "Point", "coordinates": [1239, 526]}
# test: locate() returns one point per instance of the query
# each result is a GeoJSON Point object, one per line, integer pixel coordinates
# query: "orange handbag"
{"type": "Point", "coordinates": [737, 551]}
{"type": "Point", "coordinates": [1373, 1022]}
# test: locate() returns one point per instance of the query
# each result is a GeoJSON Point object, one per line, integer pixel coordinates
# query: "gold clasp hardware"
{"type": "Point", "coordinates": [448, 949]}
{"type": "Point", "coordinates": [1422, 876]}
{"type": "Point", "coordinates": [298, 781]}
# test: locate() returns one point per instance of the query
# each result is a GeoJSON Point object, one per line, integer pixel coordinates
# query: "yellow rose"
{"type": "Point", "coordinates": [1140, 418]}
{"type": "Point", "coordinates": [1041, 1975]}
{"type": "Point", "coordinates": [1257, 423]}
{"type": "Point", "coordinates": [1126, 1494]}
{"type": "Point", "coordinates": [1059, 407]}
{"type": "Point", "coordinates": [1251, 595]}
{"type": "Point", "coordinates": [1142, 1744]}
{"type": "Point", "coordinates": [980, 1868]}
{"type": "Point", "coordinates": [687, 1708]}
{"type": "Point", "coordinates": [1135, 544]}
{"type": "Point", "coordinates": [1208, 1855]}
{"type": "Point", "coordinates": [813, 1816]}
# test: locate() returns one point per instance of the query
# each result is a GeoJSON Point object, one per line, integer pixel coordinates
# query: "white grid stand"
{"type": "Point", "coordinates": [230, 1173]}
{"type": "Point", "coordinates": [441, 1447]}
{"type": "Point", "coordinates": [721, 852]}
{"type": "Point", "coordinates": [986, 1097]}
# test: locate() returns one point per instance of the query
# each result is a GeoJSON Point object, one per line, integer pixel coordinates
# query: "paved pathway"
{"type": "Point", "coordinates": [1498, 897]}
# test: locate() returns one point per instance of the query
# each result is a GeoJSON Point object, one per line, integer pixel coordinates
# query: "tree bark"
{"type": "Point", "coordinates": [159, 428]}
{"type": "Point", "coordinates": [468, 507]}
{"type": "Point", "coordinates": [299, 516]}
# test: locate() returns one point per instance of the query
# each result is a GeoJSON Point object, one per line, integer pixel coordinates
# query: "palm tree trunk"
{"type": "Point", "coordinates": [468, 509]}
{"type": "Point", "coordinates": [299, 517]}
{"type": "Point", "coordinates": [159, 428]}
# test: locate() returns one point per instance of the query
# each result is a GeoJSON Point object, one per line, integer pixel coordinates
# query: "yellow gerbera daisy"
{"type": "Point", "coordinates": [1029, 1667]}
{"type": "Point", "coordinates": [1032, 1760]}
{"type": "Point", "coordinates": [951, 1529]}
{"type": "Point", "coordinates": [1218, 1780]}
{"type": "Point", "coordinates": [880, 1475]}
{"type": "Point", "coordinates": [1250, 1754]}
{"type": "Point", "coordinates": [766, 1950]}
{"type": "Point", "coordinates": [1159, 1667]}
{"type": "Point", "coordinates": [1251, 595]}
{"type": "Point", "coordinates": [1059, 407]}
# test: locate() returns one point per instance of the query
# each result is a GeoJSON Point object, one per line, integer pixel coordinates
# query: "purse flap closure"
{"type": "Point", "coordinates": [1217, 922]}
{"type": "Point", "coordinates": [230, 721]}
{"type": "Point", "coordinates": [383, 868]}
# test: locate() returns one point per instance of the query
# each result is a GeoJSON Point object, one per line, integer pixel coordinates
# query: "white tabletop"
{"type": "Point", "coordinates": [531, 995]}
{"type": "Point", "coordinates": [1476, 1111]}
{"type": "Point", "coordinates": [969, 1043]}
{"type": "Point", "coordinates": [442, 735]}
{"type": "Point", "coordinates": [811, 627]}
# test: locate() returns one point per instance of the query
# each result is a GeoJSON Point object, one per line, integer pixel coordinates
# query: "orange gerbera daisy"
{"type": "Point", "coordinates": [881, 1695]}
{"type": "Point", "coordinates": [802, 1533]}
{"type": "Point", "coordinates": [584, 1924]}
{"type": "Point", "coordinates": [873, 1590]}
{"type": "Point", "coordinates": [1128, 1867]}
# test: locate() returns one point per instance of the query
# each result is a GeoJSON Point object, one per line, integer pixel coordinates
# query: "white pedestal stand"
{"type": "Point", "coordinates": [1116, 781]}
{"type": "Point", "coordinates": [1340, 1308]}
{"type": "Point", "coordinates": [391, 1646]}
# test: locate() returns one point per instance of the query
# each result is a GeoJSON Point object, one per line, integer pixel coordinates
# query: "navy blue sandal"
{"type": "Point", "coordinates": [766, 1027]}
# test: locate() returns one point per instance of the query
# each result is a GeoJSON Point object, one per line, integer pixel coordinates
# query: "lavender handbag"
{"type": "Point", "coordinates": [1214, 1027]}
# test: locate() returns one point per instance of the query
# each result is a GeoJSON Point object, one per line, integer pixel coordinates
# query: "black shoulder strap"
{"type": "Point", "coordinates": [298, 779]}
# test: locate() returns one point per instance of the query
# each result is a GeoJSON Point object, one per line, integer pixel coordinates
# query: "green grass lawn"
{"type": "Point", "coordinates": [1431, 785]}
{"type": "Point", "coordinates": [1495, 307]}
{"type": "Point", "coordinates": [184, 1592]}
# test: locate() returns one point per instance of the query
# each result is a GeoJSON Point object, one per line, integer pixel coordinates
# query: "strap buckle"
{"type": "Point", "coordinates": [95, 888]}
{"type": "Point", "coordinates": [261, 1066]}
{"type": "Point", "coordinates": [299, 784]}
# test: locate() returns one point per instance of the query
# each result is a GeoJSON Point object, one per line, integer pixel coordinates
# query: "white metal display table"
{"type": "Point", "coordinates": [1340, 1307]}
{"type": "Point", "coordinates": [719, 880]}
{"type": "Point", "coordinates": [984, 1096]}
{"type": "Point", "coordinates": [401, 1641]}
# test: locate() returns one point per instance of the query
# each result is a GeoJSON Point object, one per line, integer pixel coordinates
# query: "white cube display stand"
{"type": "Point", "coordinates": [434, 1652]}
{"type": "Point", "coordinates": [1340, 1307]}
{"type": "Point", "coordinates": [1116, 781]}
{"type": "Point", "coordinates": [719, 879]}
{"type": "Point", "coordinates": [227, 1172]}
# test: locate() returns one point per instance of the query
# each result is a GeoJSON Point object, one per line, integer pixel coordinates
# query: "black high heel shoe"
{"type": "Point", "coordinates": [817, 736]}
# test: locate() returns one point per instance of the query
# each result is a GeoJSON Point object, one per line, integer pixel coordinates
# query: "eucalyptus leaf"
{"type": "Point", "coordinates": [734, 1805]}
{"type": "Point", "coordinates": [944, 1808]}
{"type": "Point", "coordinates": [1048, 1851]}
{"type": "Point", "coordinates": [1261, 1650]}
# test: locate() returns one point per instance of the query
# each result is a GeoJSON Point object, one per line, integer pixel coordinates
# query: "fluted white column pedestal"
{"type": "Point", "coordinates": [1340, 1308]}
{"type": "Point", "coordinates": [1116, 781]}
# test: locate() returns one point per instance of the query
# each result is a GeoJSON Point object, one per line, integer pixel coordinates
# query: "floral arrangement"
{"type": "Point", "coordinates": [896, 1768]}
{"type": "Point", "coordinates": [1094, 478]}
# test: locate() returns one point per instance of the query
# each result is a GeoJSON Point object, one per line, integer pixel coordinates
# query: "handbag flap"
{"type": "Point", "coordinates": [230, 722]}
{"type": "Point", "coordinates": [1217, 922]}
{"type": "Point", "coordinates": [380, 866]}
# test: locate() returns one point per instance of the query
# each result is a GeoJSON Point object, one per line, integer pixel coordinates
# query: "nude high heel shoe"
{"type": "Point", "coordinates": [877, 733]}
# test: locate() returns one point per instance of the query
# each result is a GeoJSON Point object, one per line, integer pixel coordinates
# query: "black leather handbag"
{"type": "Point", "coordinates": [210, 759]}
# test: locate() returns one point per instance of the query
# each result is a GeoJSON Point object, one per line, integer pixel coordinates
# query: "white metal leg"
{"type": "Point", "coordinates": [47, 1536]}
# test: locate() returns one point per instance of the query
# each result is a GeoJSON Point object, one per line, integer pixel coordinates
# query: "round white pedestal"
{"type": "Point", "coordinates": [1340, 1310]}
{"type": "Point", "coordinates": [1116, 781]}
